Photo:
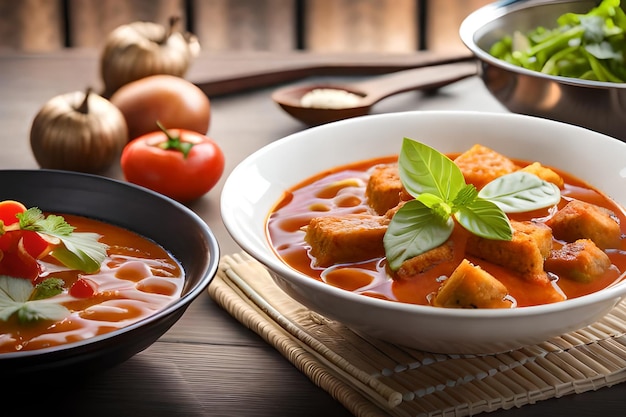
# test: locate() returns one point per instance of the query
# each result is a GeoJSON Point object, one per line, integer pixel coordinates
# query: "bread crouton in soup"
{"type": "Point", "coordinates": [480, 165]}
{"type": "Point", "coordinates": [419, 264]}
{"type": "Point", "coordinates": [581, 261]}
{"type": "Point", "coordinates": [544, 173]}
{"type": "Point", "coordinates": [582, 220]}
{"type": "Point", "coordinates": [383, 188]}
{"type": "Point", "coordinates": [469, 286]}
{"type": "Point", "coordinates": [524, 253]}
{"type": "Point", "coordinates": [350, 238]}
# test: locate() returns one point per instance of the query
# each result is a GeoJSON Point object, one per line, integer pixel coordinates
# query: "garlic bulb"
{"type": "Point", "coordinates": [140, 49]}
{"type": "Point", "coordinates": [78, 131]}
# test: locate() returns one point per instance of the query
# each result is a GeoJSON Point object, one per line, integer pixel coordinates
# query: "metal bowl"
{"type": "Point", "coordinates": [600, 106]}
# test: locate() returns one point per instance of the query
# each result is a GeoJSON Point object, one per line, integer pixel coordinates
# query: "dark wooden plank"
{"type": "Point", "coordinates": [31, 25]}
{"type": "Point", "coordinates": [90, 21]}
{"type": "Point", "coordinates": [361, 26]}
{"type": "Point", "coordinates": [444, 18]}
{"type": "Point", "coordinates": [264, 25]}
{"type": "Point", "coordinates": [225, 25]}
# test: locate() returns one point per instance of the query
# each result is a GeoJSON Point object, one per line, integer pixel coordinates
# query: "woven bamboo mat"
{"type": "Point", "coordinates": [373, 378]}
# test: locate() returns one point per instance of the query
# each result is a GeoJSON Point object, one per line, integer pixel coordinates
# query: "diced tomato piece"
{"type": "Point", "coordinates": [8, 216]}
{"type": "Point", "coordinates": [9, 209]}
{"type": "Point", "coordinates": [35, 245]}
{"type": "Point", "coordinates": [9, 241]}
{"type": "Point", "coordinates": [20, 248]}
{"type": "Point", "coordinates": [19, 263]}
{"type": "Point", "coordinates": [83, 288]}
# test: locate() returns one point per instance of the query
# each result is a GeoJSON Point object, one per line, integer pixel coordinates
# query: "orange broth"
{"type": "Point", "coordinates": [137, 278]}
{"type": "Point", "coordinates": [312, 198]}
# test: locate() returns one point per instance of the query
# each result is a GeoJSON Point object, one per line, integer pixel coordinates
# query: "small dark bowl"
{"type": "Point", "coordinates": [172, 225]}
{"type": "Point", "coordinates": [600, 106]}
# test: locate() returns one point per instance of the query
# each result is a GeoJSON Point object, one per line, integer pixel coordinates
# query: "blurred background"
{"type": "Point", "coordinates": [395, 26]}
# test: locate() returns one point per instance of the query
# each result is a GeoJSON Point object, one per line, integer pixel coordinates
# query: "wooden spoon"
{"type": "Point", "coordinates": [371, 91]}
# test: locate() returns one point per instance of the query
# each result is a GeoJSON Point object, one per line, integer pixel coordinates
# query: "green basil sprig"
{"type": "Point", "coordinates": [442, 196]}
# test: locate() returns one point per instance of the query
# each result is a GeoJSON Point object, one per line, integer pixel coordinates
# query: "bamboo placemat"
{"type": "Point", "coordinates": [372, 378]}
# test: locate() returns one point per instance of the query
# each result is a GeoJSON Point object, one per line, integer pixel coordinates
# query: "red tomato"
{"type": "Point", "coordinates": [17, 240]}
{"type": "Point", "coordinates": [157, 161]}
{"type": "Point", "coordinates": [35, 245]}
{"type": "Point", "coordinates": [17, 261]}
{"type": "Point", "coordinates": [8, 216]}
{"type": "Point", "coordinates": [83, 288]}
{"type": "Point", "coordinates": [9, 210]}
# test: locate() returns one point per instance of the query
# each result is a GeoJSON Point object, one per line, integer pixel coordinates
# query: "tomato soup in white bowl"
{"type": "Point", "coordinates": [444, 231]}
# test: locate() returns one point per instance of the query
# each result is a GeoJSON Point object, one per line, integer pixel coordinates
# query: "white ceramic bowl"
{"type": "Point", "coordinates": [257, 183]}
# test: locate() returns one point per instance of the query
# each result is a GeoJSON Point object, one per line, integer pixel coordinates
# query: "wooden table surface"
{"type": "Point", "coordinates": [208, 364]}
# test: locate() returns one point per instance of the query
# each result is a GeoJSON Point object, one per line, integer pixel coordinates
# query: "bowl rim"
{"type": "Point", "coordinates": [476, 20]}
{"type": "Point", "coordinates": [169, 309]}
{"type": "Point", "coordinates": [268, 257]}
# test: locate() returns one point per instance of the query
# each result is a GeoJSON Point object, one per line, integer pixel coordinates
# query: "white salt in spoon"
{"type": "Point", "coordinates": [325, 103]}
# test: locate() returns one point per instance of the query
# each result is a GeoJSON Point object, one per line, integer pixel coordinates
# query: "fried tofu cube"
{"type": "Point", "coordinates": [481, 165]}
{"type": "Point", "coordinates": [470, 286]}
{"type": "Point", "coordinates": [425, 261]}
{"type": "Point", "coordinates": [524, 253]}
{"type": "Point", "coordinates": [384, 188]}
{"type": "Point", "coordinates": [582, 220]}
{"type": "Point", "coordinates": [580, 261]}
{"type": "Point", "coordinates": [545, 174]}
{"type": "Point", "coordinates": [349, 238]}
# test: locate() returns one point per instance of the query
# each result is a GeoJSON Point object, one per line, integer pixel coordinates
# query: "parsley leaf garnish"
{"type": "Point", "coordinates": [80, 250]}
{"type": "Point", "coordinates": [15, 298]}
{"type": "Point", "coordinates": [33, 219]}
{"type": "Point", "coordinates": [47, 288]}
{"type": "Point", "coordinates": [441, 195]}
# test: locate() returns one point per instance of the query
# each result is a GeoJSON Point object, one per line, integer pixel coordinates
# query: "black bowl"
{"type": "Point", "coordinates": [172, 225]}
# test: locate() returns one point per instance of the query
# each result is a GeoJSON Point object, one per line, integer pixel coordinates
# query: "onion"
{"type": "Point", "coordinates": [140, 49]}
{"type": "Point", "coordinates": [78, 131]}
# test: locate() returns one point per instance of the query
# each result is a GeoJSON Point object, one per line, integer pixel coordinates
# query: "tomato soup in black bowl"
{"type": "Point", "coordinates": [121, 266]}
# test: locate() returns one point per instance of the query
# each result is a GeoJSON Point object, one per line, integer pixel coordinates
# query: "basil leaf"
{"type": "Point", "coordinates": [426, 170]}
{"type": "Point", "coordinates": [429, 200]}
{"type": "Point", "coordinates": [440, 192]}
{"type": "Point", "coordinates": [485, 219]}
{"type": "Point", "coordinates": [520, 192]}
{"type": "Point", "coordinates": [413, 230]}
{"type": "Point", "coordinates": [465, 196]}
